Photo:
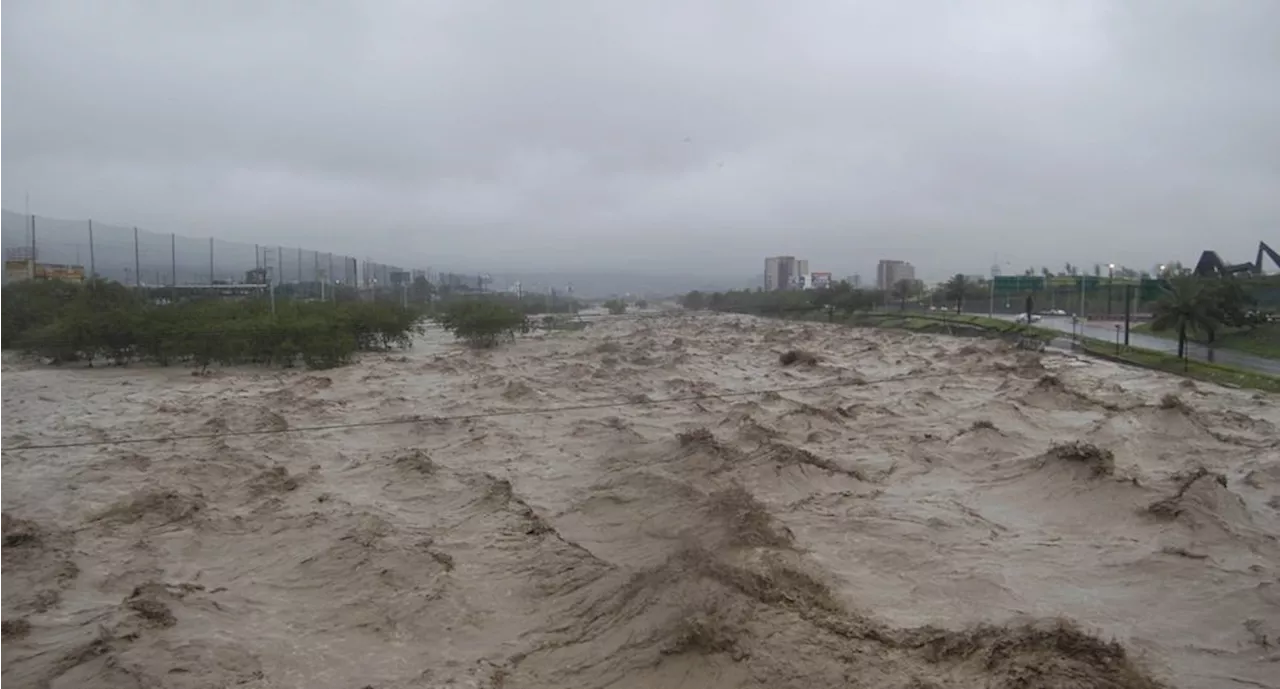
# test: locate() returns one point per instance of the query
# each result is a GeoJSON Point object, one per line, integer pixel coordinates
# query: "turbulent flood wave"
{"type": "Point", "coordinates": [888, 510]}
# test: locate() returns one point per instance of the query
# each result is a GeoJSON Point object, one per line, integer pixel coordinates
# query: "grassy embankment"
{"type": "Point", "coordinates": [1262, 340]}
{"type": "Point", "coordinates": [1170, 363]}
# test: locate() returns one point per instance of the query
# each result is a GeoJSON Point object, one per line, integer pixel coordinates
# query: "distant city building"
{"type": "Point", "coordinates": [820, 280]}
{"type": "Point", "coordinates": [785, 272]}
{"type": "Point", "coordinates": [855, 280]}
{"type": "Point", "coordinates": [890, 272]}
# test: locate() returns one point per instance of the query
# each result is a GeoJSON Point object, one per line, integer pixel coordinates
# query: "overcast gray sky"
{"type": "Point", "coordinates": [689, 135]}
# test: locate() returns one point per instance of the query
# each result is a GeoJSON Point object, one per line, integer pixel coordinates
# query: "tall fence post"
{"type": "Point", "coordinates": [31, 265]}
{"type": "Point", "coordinates": [93, 272]}
{"type": "Point", "coordinates": [137, 260]}
{"type": "Point", "coordinates": [211, 260]}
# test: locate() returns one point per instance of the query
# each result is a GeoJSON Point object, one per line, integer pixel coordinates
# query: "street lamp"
{"type": "Point", "coordinates": [1111, 279]}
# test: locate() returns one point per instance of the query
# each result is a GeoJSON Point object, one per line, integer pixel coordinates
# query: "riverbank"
{"type": "Point", "coordinates": [1262, 340]}
{"type": "Point", "coordinates": [970, 324]}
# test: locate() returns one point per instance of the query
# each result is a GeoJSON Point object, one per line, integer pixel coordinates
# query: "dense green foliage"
{"type": "Point", "coordinates": [1206, 306]}
{"type": "Point", "coordinates": [482, 322]}
{"type": "Point", "coordinates": [106, 321]}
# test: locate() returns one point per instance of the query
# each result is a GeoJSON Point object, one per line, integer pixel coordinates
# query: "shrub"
{"type": "Point", "coordinates": [616, 306]}
{"type": "Point", "coordinates": [101, 320]}
{"type": "Point", "coordinates": [482, 323]}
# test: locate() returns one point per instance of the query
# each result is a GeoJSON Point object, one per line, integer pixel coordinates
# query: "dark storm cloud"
{"type": "Point", "coordinates": [691, 135]}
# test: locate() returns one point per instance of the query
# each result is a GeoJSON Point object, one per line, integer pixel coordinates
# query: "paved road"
{"type": "Point", "coordinates": [1103, 330]}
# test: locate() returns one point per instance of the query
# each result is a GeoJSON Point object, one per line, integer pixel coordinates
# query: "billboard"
{"type": "Point", "coordinates": [820, 280]}
{"type": "Point", "coordinates": [21, 270]}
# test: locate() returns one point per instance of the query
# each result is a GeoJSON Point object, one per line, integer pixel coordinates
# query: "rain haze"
{"type": "Point", "coordinates": [690, 138]}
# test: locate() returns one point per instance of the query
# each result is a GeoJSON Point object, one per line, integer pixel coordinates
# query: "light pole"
{"type": "Point", "coordinates": [1117, 339]}
{"type": "Point", "coordinates": [1082, 313]}
{"type": "Point", "coordinates": [1111, 280]}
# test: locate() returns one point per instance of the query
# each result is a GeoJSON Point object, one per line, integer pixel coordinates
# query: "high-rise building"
{"type": "Point", "coordinates": [784, 272]}
{"type": "Point", "coordinates": [890, 272]}
{"type": "Point", "coordinates": [772, 272]}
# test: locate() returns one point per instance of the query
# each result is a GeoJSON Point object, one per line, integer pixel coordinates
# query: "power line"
{"type": "Point", "coordinates": [419, 418]}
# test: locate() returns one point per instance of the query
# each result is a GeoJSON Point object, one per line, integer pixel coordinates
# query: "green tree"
{"type": "Point", "coordinates": [901, 290]}
{"type": "Point", "coordinates": [694, 300]}
{"type": "Point", "coordinates": [482, 323]}
{"type": "Point", "coordinates": [956, 289]}
{"type": "Point", "coordinates": [1186, 306]}
{"type": "Point", "coordinates": [616, 306]}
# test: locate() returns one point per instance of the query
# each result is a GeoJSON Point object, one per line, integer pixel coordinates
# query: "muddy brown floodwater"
{"type": "Point", "coordinates": [946, 513]}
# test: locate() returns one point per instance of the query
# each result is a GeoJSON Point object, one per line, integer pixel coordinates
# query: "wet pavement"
{"type": "Point", "coordinates": [1106, 330]}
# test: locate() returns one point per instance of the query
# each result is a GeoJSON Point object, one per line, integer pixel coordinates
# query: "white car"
{"type": "Point", "coordinates": [1022, 318]}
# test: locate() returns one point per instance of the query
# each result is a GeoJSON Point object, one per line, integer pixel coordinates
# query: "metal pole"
{"type": "Point", "coordinates": [31, 266]}
{"type": "Point", "coordinates": [93, 273]}
{"type": "Point", "coordinates": [137, 261]}
{"type": "Point", "coordinates": [329, 274]}
{"type": "Point", "coordinates": [1111, 281]}
{"type": "Point", "coordinates": [1082, 315]}
{"type": "Point", "coordinates": [211, 260]}
{"type": "Point", "coordinates": [173, 261]}
{"type": "Point", "coordinates": [1128, 311]}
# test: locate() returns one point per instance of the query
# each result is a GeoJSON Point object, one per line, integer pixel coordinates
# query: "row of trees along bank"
{"type": "Point", "coordinates": [101, 321]}
{"type": "Point", "coordinates": [1187, 305]}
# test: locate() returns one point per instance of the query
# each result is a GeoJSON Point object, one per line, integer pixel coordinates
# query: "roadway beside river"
{"type": "Point", "coordinates": [1106, 330]}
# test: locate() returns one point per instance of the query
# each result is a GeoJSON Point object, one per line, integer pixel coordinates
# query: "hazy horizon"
{"type": "Point", "coordinates": [661, 138]}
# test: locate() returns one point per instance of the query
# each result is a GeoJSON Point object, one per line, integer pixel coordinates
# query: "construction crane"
{"type": "Point", "coordinates": [1210, 264]}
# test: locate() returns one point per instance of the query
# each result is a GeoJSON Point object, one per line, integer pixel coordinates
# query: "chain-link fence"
{"type": "Point", "coordinates": [149, 259]}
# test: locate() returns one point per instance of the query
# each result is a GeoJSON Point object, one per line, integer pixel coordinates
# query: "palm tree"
{"type": "Point", "coordinates": [1185, 306]}
{"type": "Point", "coordinates": [955, 290]}
{"type": "Point", "coordinates": [902, 289]}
